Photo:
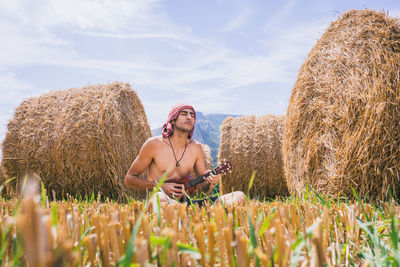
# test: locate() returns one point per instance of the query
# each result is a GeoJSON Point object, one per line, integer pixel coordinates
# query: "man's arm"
{"type": "Point", "coordinates": [200, 168]}
{"type": "Point", "coordinates": [139, 165]}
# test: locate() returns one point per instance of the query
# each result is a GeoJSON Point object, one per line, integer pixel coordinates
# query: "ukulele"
{"type": "Point", "coordinates": [190, 183]}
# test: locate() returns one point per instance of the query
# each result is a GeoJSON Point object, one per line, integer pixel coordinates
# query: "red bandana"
{"type": "Point", "coordinates": [168, 128]}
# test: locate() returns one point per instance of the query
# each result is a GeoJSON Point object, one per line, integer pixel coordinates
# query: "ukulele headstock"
{"type": "Point", "coordinates": [223, 167]}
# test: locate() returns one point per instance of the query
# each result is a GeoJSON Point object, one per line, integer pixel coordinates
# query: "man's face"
{"type": "Point", "coordinates": [185, 120]}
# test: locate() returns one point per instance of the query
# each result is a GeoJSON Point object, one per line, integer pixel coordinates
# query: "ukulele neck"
{"type": "Point", "coordinates": [200, 179]}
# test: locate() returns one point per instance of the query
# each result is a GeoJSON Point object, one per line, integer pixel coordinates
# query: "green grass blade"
{"type": "Point", "coordinates": [54, 214]}
{"type": "Point", "coordinates": [24, 182]}
{"type": "Point", "coordinates": [253, 176]}
{"type": "Point", "coordinates": [3, 185]}
{"type": "Point", "coordinates": [362, 205]}
{"type": "Point", "coordinates": [158, 240]}
{"type": "Point", "coordinates": [43, 194]}
{"type": "Point", "coordinates": [267, 221]}
{"type": "Point", "coordinates": [319, 197]}
{"type": "Point", "coordinates": [394, 234]}
{"type": "Point", "coordinates": [188, 249]}
{"type": "Point", "coordinates": [253, 238]}
{"type": "Point", "coordinates": [158, 211]}
{"type": "Point", "coordinates": [130, 250]}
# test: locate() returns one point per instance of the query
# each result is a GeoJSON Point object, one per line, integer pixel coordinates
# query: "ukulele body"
{"type": "Point", "coordinates": [190, 183]}
{"type": "Point", "coordinates": [186, 182]}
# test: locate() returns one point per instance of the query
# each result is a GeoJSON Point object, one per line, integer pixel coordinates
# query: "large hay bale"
{"type": "Point", "coordinates": [78, 141]}
{"type": "Point", "coordinates": [253, 143]}
{"type": "Point", "coordinates": [342, 128]}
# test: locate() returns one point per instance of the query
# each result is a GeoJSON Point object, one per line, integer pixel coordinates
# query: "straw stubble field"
{"type": "Point", "coordinates": [327, 226]}
{"type": "Point", "coordinates": [310, 232]}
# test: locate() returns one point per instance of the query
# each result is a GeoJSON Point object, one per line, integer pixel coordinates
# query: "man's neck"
{"type": "Point", "coordinates": [179, 138]}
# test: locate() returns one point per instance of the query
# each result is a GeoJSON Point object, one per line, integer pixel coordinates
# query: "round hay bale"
{"type": "Point", "coordinates": [253, 143]}
{"type": "Point", "coordinates": [79, 141]}
{"type": "Point", "coordinates": [342, 127]}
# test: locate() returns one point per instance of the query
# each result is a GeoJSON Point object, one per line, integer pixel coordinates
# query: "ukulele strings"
{"type": "Point", "coordinates": [200, 178]}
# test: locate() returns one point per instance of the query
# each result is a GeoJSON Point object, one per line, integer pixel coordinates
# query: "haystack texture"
{"type": "Point", "coordinates": [342, 128]}
{"type": "Point", "coordinates": [2, 177]}
{"type": "Point", "coordinates": [207, 156]}
{"type": "Point", "coordinates": [2, 181]}
{"type": "Point", "coordinates": [253, 143]}
{"type": "Point", "coordinates": [79, 141]}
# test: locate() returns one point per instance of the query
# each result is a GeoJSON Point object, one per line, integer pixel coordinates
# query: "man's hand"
{"type": "Point", "coordinates": [174, 190]}
{"type": "Point", "coordinates": [212, 179]}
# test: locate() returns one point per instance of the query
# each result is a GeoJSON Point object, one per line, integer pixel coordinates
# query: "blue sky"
{"type": "Point", "coordinates": [238, 57]}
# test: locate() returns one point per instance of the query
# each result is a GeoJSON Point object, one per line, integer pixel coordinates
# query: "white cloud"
{"type": "Point", "coordinates": [33, 34]}
{"type": "Point", "coordinates": [282, 13]}
{"type": "Point", "coordinates": [241, 18]}
{"type": "Point", "coordinates": [177, 39]}
{"type": "Point", "coordinates": [83, 14]}
{"type": "Point", "coordinates": [12, 88]}
{"type": "Point", "coordinates": [22, 46]}
{"type": "Point", "coordinates": [42, 47]}
{"type": "Point", "coordinates": [291, 47]}
{"type": "Point", "coordinates": [13, 91]}
{"type": "Point", "coordinates": [204, 74]}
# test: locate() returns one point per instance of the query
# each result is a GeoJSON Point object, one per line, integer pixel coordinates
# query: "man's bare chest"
{"type": "Point", "coordinates": [166, 160]}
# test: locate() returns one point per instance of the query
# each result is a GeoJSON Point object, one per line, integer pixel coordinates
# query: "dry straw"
{"type": "Point", "coordinates": [2, 181]}
{"type": "Point", "coordinates": [2, 177]}
{"type": "Point", "coordinates": [342, 128]}
{"type": "Point", "coordinates": [79, 141]}
{"type": "Point", "coordinates": [207, 156]}
{"type": "Point", "coordinates": [253, 143]}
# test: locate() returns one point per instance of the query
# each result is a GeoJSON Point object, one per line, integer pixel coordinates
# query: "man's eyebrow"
{"type": "Point", "coordinates": [184, 112]}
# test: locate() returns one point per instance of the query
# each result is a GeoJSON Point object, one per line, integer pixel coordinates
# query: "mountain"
{"type": "Point", "coordinates": [206, 131]}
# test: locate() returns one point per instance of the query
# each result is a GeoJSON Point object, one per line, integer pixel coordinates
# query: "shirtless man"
{"type": "Point", "coordinates": [177, 152]}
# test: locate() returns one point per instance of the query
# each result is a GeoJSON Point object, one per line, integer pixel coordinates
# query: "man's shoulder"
{"type": "Point", "coordinates": [197, 145]}
{"type": "Point", "coordinates": [194, 142]}
{"type": "Point", "coordinates": [154, 141]}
